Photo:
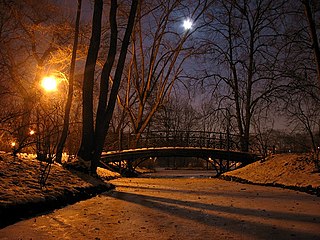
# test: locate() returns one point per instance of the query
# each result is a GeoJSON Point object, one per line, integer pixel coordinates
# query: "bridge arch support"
{"type": "Point", "coordinates": [219, 159]}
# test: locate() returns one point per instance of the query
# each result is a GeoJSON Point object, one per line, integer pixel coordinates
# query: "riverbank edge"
{"type": "Point", "coordinates": [12, 213]}
{"type": "Point", "coordinates": [306, 189]}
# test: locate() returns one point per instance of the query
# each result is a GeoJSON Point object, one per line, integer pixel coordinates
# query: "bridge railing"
{"type": "Point", "coordinates": [196, 139]}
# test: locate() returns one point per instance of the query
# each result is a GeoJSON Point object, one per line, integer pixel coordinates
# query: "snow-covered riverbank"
{"type": "Point", "coordinates": [292, 171]}
{"type": "Point", "coordinates": [179, 209]}
{"type": "Point", "coordinates": [20, 192]}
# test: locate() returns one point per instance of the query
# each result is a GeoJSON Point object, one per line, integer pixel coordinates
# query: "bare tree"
{"type": "Point", "coordinates": [245, 57]}
{"type": "Point", "coordinates": [94, 135]}
{"type": "Point", "coordinates": [263, 128]}
{"type": "Point", "coordinates": [34, 35]}
{"type": "Point", "coordinates": [303, 113]}
{"type": "Point", "coordinates": [301, 69]}
{"type": "Point", "coordinates": [309, 6]}
{"type": "Point", "coordinates": [159, 51]}
{"type": "Point", "coordinates": [66, 119]}
{"type": "Point", "coordinates": [176, 115]}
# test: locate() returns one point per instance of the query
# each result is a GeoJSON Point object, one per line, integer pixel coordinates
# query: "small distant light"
{"type": "Point", "coordinates": [187, 24]}
{"type": "Point", "coordinates": [32, 132]}
{"type": "Point", "coordinates": [13, 144]}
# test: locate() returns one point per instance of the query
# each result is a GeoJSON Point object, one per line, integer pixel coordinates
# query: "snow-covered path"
{"type": "Point", "coordinates": [146, 208]}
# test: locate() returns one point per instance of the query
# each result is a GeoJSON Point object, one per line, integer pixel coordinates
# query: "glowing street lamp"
{"type": "Point", "coordinates": [49, 83]}
{"type": "Point", "coordinates": [32, 132]}
{"type": "Point", "coordinates": [13, 144]}
{"type": "Point", "coordinates": [187, 24]}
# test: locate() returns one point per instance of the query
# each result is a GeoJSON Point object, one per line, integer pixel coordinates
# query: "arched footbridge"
{"type": "Point", "coordinates": [218, 149]}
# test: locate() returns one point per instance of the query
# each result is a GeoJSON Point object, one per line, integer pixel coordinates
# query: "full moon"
{"type": "Point", "coordinates": [187, 24]}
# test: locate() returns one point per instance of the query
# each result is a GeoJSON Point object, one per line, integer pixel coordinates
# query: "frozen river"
{"type": "Point", "coordinates": [179, 208]}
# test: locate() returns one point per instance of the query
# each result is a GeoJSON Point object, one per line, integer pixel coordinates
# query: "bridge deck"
{"type": "Point", "coordinates": [205, 153]}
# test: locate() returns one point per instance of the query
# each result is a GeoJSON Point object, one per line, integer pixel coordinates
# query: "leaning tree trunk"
{"type": "Point", "coordinates": [104, 115]}
{"type": "Point", "coordinates": [87, 142]}
{"type": "Point", "coordinates": [66, 119]}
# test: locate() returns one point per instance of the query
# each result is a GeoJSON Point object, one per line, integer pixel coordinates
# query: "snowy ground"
{"type": "Point", "coordinates": [21, 194]}
{"type": "Point", "coordinates": [179, 209]}
{"type": "Point", "coordinates": [19, 186]}
{"type": "Point", "coordinates": [295, 171]}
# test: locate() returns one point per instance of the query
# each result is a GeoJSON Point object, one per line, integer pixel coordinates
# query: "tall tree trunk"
{"type": "Point", "coordinates": [104, 117]}
{"type": "Point", "coordinates": [66, 119]}
{"type": "Point", "coordinates": [248, 102]}
{"type": "Point", "coordinates": [87, 142]}
{"type": "Point", "coordinates": [235, 87]}
{"type": "Point", "coordinates": [313, 34]}
{"type": "Point", "coordinates": [106, 71]}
